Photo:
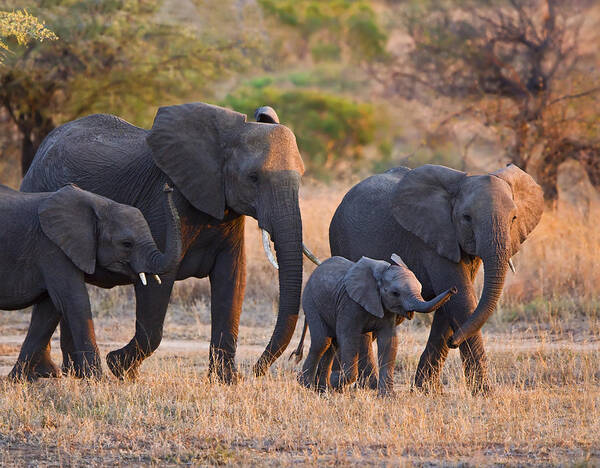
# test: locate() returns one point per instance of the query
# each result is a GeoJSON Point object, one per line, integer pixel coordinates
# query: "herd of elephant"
{"type": "Point", "coordinates": [108, 203]}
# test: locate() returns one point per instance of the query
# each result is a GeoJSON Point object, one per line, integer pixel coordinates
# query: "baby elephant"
{"type": "Point", "coordinates": [343, 300]}
{"type": "Point", "coordinates": [50, 242]}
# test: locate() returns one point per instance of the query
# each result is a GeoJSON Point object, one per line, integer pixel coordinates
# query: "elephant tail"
{"type": "Point", "coordinates": [300, 349]}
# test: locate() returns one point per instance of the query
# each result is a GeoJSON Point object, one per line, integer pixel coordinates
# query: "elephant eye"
{"type": "Point", "coordinates": [395, 293]}
{"type": "Point", "coordinates": [127, 244]}
{"type": "Point", "coordinates": [467, 218]}
{"type": "Point", "coordinates": [253, 177]}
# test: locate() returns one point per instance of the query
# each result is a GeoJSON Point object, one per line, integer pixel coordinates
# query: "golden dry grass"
{"type": "Point", "coordinates": [543, 344]}
{"type": "Point", "coordinates": [544, 411]}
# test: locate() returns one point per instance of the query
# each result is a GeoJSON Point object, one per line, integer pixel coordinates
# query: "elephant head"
{"type": "Point", "coordinates": [377, 286]}
{"type": "Point", "coordinates": [95, 231]}
{"type": "Point", "coordinates": [220, 162]}
{"type": "Point", "coordinates": [486, 216]}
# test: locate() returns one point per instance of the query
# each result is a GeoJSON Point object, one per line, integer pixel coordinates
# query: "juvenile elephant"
{"type": "Point", "coordinates": [343, 300]}
{"type": "Point", "coordinates": [443, 223]}
{"type": "Point", "coordinates": [50, 243]}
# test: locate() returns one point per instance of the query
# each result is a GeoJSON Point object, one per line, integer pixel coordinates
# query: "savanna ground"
{"type": "Point", "coordinates": [543, 345]}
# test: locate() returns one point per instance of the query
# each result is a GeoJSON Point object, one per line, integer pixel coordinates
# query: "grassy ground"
{"type": "Point", "coordinates": [544, 410]}
{"type": "Point", "coordinates": [543, 344]}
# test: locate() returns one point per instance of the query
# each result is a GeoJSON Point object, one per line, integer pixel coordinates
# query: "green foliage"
{"type": "Point", "coordinates": [23, 27]}
{"type": "Point", "coordinates": [331, 130]}
{"type": "Point", "coordinates": [332, 28]}
{"type": "Point", "coordinates": [123, 57]}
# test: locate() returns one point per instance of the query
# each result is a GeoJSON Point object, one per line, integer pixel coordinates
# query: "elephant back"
{"type": "Point", "coordinates": [83, 152]}
{"type": "Point", "coordinates": [365, 214]}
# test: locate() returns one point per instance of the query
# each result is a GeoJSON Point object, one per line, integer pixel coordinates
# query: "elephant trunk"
{"type": "Point", "coordinates": [287, 236]}
{"type": "Point", "coordinates": [153, 260]}
{"type": "Point", "coordinates": [419, 305]}
{"type": "Point", "coordinates": [495, 268]}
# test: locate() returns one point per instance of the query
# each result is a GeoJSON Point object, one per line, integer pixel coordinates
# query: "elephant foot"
{"type": "Point", "coordinates": [222, 368]}
{"type": "Point", "coordinates": [34, 369]}
{"type": "Point", "coordinates": [85, 365]}
{"type": "Point", "coordinates": [68, 366]}
{"type": "Point", "coordinates": [368, 381]}
{"type": "Point", "coordinates": [481, 389]}
{"type": "Point", "coordinates": [226, 374]}
{"type": "Point", "coordinates": [122, 364]}
{"type": "Point", "coordinates": [305, 381]}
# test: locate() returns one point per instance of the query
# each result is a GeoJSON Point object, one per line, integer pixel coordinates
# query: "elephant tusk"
{"type": "Point", "coordinates": [311, 256]}
{"type": "Point", "coordinates": [157, 278]}
{"type": "Point", "coordinates": [143, 278]}
{"type": "Point", "coordinates": [512, 266]}
{"type": "Point", "coordinates": [267, 246]}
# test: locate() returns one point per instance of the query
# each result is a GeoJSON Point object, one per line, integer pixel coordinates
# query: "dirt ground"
{"type": "Point", "coordinates": [544, 410]}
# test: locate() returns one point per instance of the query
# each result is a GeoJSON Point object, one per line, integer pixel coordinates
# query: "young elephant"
{"type": "Point", "coordinates": [342, 300]}
{"type": "Point", "coordinates": [50, 242]}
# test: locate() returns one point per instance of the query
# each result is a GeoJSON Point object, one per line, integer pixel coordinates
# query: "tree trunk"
{"type": "Point", "coordinates": [34, 132]}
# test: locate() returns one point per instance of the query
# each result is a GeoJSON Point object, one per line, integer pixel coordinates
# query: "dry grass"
{"type": "Point", "coordinates": [544, 411]}
{"type": "Point", "coordinates": [543, 344]}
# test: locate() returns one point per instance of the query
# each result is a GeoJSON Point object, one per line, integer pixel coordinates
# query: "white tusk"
{"type": "Point", "coordinates": [143, 278]}
{"type": "Point", "coordinates": [267, 246]}
{"type": "Point", "coordinates": [512, 266]}
{"type": "Point", "coordinates": [311, 256]}
{"type": "Point", "coordinates": [157, 278]}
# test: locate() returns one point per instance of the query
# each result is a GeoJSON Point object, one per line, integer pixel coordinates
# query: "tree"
{"type": "Point", "coordinates": [23, 27]}
{"type": "Point", "coordinates": [115, 56]}
{"type": "Point", "coordinates": [329, 30]}
{"type": "Point", "coordinates": [518, 66]}
{"type": "Point", "coordinates": [332, 130]}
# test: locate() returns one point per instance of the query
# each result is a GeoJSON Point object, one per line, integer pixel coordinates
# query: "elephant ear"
{"type": "Point", "coordinates": [527, 195]}
{"type": "Point", "coordinates": [362, 284]}
{"type": "Point", "coordinates": [422, 204]}
{"type": "Point", "coordinates": [68, 217]}
{"type": "Point", "coordinates": [266, 114]}
{"type": "Point", "coordinates": [187, 143]}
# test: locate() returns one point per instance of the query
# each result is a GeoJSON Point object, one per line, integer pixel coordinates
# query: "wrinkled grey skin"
{"type": "Point", "coordinates": [52, 242]}
{"type": "Point", "coordinates": [443, 223]}
{"type": "Point", "coordinates": [222, 168]}
{"type": "Point", "coordinates": [343, 300]}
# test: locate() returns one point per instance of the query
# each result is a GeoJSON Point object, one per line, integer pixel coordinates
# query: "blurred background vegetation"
{"type": "Point", "coordinates": [365, 86]}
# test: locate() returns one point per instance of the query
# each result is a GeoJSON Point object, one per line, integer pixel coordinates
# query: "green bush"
{"type": "Point", "coordinates": [331, 130]}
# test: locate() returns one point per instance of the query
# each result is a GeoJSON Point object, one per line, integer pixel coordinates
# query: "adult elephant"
{"type": "Point", "coordinates": [443, 223]}
{"type": "Point", "coordinates": [222, 168]}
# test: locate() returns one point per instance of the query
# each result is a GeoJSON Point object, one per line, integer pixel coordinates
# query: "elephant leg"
{"type": "Point", "coordinates": [319, 343]}
{"type": "Point", "coordinates": [474, 361]}
{"type": "Point", "coordinates": [227, 286]}
{"type": "Point", "coordinates": [34, 359]}
{"type": "Point", "coordinates": [324, 368]}
{"type": "Point", "coordinates": [472, 351]}
{"type": "Point", "coordinates": [427, 378]}
{"type": "Point", "coordinates": [151, 306]}
{"type": "Point", "coordinates": [387, 348]}
{"type": "Point", "coordinates": [367, 364]}
{"type": "Point", "coordinates": [348, 372]}
{"type": "Point", "coordinates": [67, 347]}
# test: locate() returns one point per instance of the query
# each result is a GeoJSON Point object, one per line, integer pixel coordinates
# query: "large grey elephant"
{"type": "Point", "coordinates": [443, 223]}
{"type": "Point", "coordinates": [51, 242]}
{"type": "Point", "coordinates": [222, 168]}
{"type": "Point", "coordinates": [343, 300]}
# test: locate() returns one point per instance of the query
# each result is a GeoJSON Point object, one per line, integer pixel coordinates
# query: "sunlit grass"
{"type": "Point", "coordinates": [544, 409]}
{"type": "Point", "coordinates": [543, 344]}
